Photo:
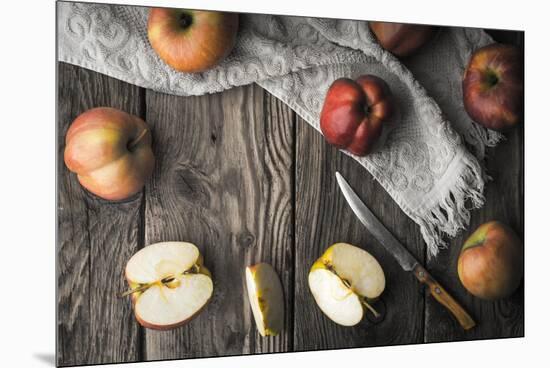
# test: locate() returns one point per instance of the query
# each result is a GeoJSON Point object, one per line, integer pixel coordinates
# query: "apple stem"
{"type": "Point", "coordinates": [369, 307]}
{"type": "Point", "coordinates": [134, 142]}
{"type": "Point", "coordinates": [138, 289]}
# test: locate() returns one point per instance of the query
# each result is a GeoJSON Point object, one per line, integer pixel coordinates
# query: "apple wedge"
{"type": "Point", "coordinates": [168, 283]}
{"type": "Point", "coordinates": [344, 281]}
{"type": "Point", "coordinates": [265, 294]}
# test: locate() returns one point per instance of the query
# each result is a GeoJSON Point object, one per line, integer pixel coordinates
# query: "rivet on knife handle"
{"type": "Point", "coordinates": [444, 298]}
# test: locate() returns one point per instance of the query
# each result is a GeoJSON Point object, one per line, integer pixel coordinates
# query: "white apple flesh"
{"type": "Point", "coordinates": [169, 284]}
{"type": "Point", "coordinates": [335, 299]}
{"type": "Point", "coordinates": [344, 281]}
{"type": "Point", "coordinates": [265, 294]}
{"type": "Point", "coordinates": [166, 307]}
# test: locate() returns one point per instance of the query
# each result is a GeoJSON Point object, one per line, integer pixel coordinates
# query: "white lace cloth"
{"type": "Point", "coordinates": [423, 164]}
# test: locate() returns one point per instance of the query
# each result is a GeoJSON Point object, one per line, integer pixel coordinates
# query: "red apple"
{"type": "Point", "coordinates": [401, 39]}
{"type": "Point", "coordinates": [192, 40]}
{"type": "Point", "coordinates": [490, 265]}
{"type": "Point", "coordinates": [110, 151]}
{"type": "Point", "coordinates": [354, 112]}
{"type": "Point", "coordinates": [493, 86]}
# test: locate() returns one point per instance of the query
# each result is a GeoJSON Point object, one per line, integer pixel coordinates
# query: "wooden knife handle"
{"type": "Point", "coordinates": [444, 298]}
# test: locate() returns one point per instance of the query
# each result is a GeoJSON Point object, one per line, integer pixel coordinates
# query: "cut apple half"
{"type": "Point", "coordinates": [345, 281]}
{"type": "Point", "coordinates": [168, 283]}
{"type": "Point", "coordinates": [265, 294]}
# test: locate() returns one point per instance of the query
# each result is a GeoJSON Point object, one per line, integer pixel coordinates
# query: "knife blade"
{"type": "Point", "coordinates": [401, 254]}
{"type": "Point", "coordinates": [376, 228]}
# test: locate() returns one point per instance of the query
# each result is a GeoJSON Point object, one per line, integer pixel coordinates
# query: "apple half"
{"type": "Point", "coordinates": [344, 281]}
{"type": "Point", "coordinates": [265, 294]}
{"type": "Point", "coordinates": [168, 283]}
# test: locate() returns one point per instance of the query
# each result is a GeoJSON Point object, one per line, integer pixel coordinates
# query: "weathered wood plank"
{"type": "Point", "coordinates": [96, 238]}
{"type": "Point", "coordinates": [223, 182]}
{"type": "Point", "coordinates": [504, 202]}
{"type": "Point", "coordinates": [235, 178]}
{"type": "Point", "coordinates": [322, 218]}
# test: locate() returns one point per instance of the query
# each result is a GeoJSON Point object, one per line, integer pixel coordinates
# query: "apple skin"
{"type": "Point", "coordinates": [153, 326]}
{"type": "Point", "coordinates": [327, 258]}
{"type": "Point", "coordinates": [492, 87]}
{"type": "Point", "coordinates": [400, 39]}
{"type": "Point", "coordinates": [354, 111]}
{"type": "Point", "coordinates": [134, 297]}
{"type": "Point", "coordinates": [110, 151]}
{"type": "Point", "coordinates": [192, 40]}
{"type": "Point", "coordinates": [490, 265]}
{"type": "Point", "coordinates": [359, 275]}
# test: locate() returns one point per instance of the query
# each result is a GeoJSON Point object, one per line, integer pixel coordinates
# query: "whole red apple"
{"type": "Point", "coordinates": [192, 40]}
{"type": "Point", "coordinates": [354, 111]}
{"type": "Point", "coordinates": [490, 265]}
{"type": "Point", "coordinates": [401, 39]}
{"type": "Point", "coordinates": [110, 151]}
{"type": "Point", "coordinates": [493, 86]}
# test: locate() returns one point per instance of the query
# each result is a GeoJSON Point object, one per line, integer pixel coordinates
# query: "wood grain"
{"type": "Point", "coordinates": [222, 181]}
{"type": "Point", "coordinates": [504, 202]}
{"type": "Point", "coordinates": [323, 218]}
{"type": "Point", "coordinates": [444, 298]}
{"type": "Point", "coordinates": [241, 176]}
{"type": "Point", "coordinates": [96, 238]}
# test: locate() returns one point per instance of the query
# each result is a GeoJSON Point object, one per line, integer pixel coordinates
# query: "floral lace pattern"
{"type": "Point", "coordinates": [424, 163]}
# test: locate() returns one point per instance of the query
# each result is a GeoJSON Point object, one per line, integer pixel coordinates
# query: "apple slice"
{"type": "Point", "coordinates": [168, 283]}
{"type": "Point", "coordinates": [265, 294]}
{"type": "Point", "coordinates": [344, 281]}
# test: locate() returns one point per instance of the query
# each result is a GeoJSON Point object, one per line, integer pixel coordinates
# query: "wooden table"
{"type": "Point", "coordinates": [242, 176]}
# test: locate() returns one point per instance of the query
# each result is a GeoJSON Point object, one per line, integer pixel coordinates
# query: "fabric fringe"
{"type": "Point", "coordinates": [479, 138]}
{"type": "Point", "coordinates": [452, 214]}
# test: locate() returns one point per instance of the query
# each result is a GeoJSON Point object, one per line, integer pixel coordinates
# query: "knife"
{"type": "Point", "coordinates": [402, 255]}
